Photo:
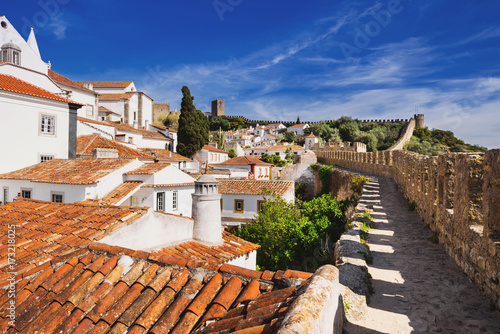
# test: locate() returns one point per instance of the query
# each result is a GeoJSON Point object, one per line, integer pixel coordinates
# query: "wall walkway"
{"type": "Point", "coordinates": [455, 194]}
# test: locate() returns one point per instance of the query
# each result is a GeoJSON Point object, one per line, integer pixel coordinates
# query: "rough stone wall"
{"type": "Point", "coordinates": [456, 194]}
{"type": "Point", "coordinates": [405, 137]}
{"type": "Point", "coordinates": [159, 110]}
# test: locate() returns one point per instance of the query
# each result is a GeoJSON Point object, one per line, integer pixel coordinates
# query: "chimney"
{"type": "Point", "coordinates": [207, 227]}
{"type": "Point", "coordinates": [105, 153]}
{"type": "Point", "coordinates": [146, 124]}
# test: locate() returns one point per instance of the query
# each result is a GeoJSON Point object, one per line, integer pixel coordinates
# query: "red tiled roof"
{"type": "Point", "coordinates": [90, 292]}
{"type": "Point", "coordinates": [161, 127]}
{"type": "Point", "coordinates": [310, 136]}
{"type": "Point", "coordinates": [297, 126]}
{"type": "Point", "coordinates": [121, 191]}
{"type": "Point", "coordinates": [114, 97]}
{"type": "Point", "coordinates": [65, 81]}
{"type": "Point", "coordinates": [107, 84]}
{"type": "Point", "coordinates": [88, 120]}
{"type": "Point", "coordinates": [148, 169]}
{"type": "Point", "coordinates": [107, 111]}
{"type": "Point", "coordinates": [72, 171]}
{"type": "Point", "coordinates": [47, 231]}
{"type": "Point", "coordinates": [285, 147]}
{"type": "Point", "coordinates": [85, 146]}
{"type": "Point", "coordinates": [244, 160]}
{"type": "Point", "coordinates": [213, 149]}
{"type": "Point", "coordinates": [254, 187]}
{"type": "Point", "coordinates": [166, 155]}
{"type": "Point", "coordinates": [145, 133]}
{"type": "Point", "coordinates": [12, 84]}
{"type": "Point", "coordinates": [170, 185]}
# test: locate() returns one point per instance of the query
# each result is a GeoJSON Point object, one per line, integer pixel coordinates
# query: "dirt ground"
{"type": "Point", "coordinates": [418, 287]}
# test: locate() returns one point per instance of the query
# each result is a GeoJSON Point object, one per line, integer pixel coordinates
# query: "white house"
{"type": "Point", "coordinates": [108, 115]}
{"type": "Point", "coordinates": [246, 166]}
{"type": "Point", "coordinates": [280, 150]}
{"type": "Point", "coordinates": [121, 97]}
{"type": "Point", "coordinates": [242, 200]}
{"type": "Point", "coordinates": [277, 126]}
{"type": "Point", "coordinates": [211, 155]}
{"type": "Point", "coordinates": [310, 140]}
{"type": "Point", "coordinates": [48, 123]}
{"type": "Point", "coordinates": [297, 128]}
{"type": "Point", "coordinates": [185, 164]}
{"type": "Point", "coordinates": [97, 146]}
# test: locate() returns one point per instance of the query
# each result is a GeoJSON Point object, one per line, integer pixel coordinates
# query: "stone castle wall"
{"type": "Point", "coordinates": [456, 195]}
{"type": "Point", "coordinates": [160, 109]}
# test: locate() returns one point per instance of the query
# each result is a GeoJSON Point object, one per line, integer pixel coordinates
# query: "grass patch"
{"type": "Point", "coordinates": [347, 306]}
{"type": "Point", "coordinates": [366, 215]}
{"type": "Point", "coordinates": [368, 257]}
{"type": "Point", "coordinates": [368, 281]}
{"type": "Point", "coordinates": [365, 227]}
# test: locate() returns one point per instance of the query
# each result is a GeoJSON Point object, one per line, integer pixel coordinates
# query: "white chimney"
{"type": "Point", "coordinates": [207, 227]}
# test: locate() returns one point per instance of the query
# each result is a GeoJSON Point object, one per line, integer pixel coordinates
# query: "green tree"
{"type": "Point", "coordinates": [218, 122]}
{"type": "Point", "coordinates": [349, 131]}
{"type": "Point", "coordinates": [172, 121]}
{"type": "Point", "coordinates": [193, 126]}
{"type": "Point", "coordinates": [325, 132]}
{"type": "Point", "coordinates": [219, 138]}
{"type": "Point", "coordinates": [232, 154]}
{"type": "Point", "coordinates": [237, 123]}
{"type": "Point", "coordinates": [298, 120]}
{"type": "Point", "coordinates": [290, 137]}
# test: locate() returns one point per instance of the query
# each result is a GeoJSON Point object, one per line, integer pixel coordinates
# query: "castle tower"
{"type": "Point", "coordinates": [218, 107]}
{"type": "Point", "coordinates": [207, 227]}
{"type": "Point", "coordinates": [419, 119]}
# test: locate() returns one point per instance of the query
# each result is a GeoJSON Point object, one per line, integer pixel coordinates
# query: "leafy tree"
{"type": "Point", "coordinates": [290, 137]}
{"type": "Point", "coordinates": [273, 159]}
{"type": "Point", "coordinates": [289, 155]}
{"type": "Point", "coordinates": [237, 123]}
{"type": "Point", "coordinates": [218, 122]}
{"type": "Point", "coordinates": [193, 126]}
{"type": "Point", "coordinates": [325, 132]}
{"type": "Point", "coordinates": [349, 131]}
{"type": "Point", "coordinates": [171, 121]}
{"type": "Point", "coordinates": [232, 154]}
{"type": "Point", "coordinates": [299, 236]}
{"type": "Point", "coordinates": [298, 120]}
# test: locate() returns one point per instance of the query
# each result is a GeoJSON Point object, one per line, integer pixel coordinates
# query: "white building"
{"type": "Point", "coordinates": [246, 166]}
{"type": "Point", "coordinates": [211, 155]}
{"type": "Point", "coordinates": [122, 98]}
{"type": "Point", "coordinates": [109, 181]}
{"type": "Point", "coordinates": [277, 126]}
{"type": "Point", "coordinates": [242, 200]}
{"type": "Point", "coordinates": [297, 128]}
{"type": "Point", "coordinates": [310, 140]}
{"type": "Point", "coordinates": [280, 150]}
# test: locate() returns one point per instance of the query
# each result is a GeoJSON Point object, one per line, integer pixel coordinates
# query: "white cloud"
{"type": "Point", "coordinates": [58, 25]}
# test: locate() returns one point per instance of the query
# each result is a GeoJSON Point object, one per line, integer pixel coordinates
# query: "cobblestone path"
{"type": "Point", "coordinates": [418, 287]}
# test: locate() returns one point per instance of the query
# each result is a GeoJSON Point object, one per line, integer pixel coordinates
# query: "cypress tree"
{"type": "Point", "coordinates": [193, 126]}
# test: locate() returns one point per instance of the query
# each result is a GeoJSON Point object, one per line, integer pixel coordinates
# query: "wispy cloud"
{"type": "Point", "coordinates": [491, 32]}
{"type": "Point", "coordinates": [58, 25]}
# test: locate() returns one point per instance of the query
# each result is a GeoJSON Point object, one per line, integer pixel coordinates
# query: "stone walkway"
{"type": "Point", "coordinates": [418, 287]}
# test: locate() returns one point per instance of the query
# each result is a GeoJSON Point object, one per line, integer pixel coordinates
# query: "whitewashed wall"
{"type": "Point", "coordinates": [19, 130]}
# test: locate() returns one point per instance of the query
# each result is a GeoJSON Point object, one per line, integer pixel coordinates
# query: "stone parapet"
{"type": "Point", "coordinates": [456, 195]}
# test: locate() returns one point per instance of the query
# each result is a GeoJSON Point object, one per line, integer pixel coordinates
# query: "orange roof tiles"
{"type": "Point", "coordinates": [91, 292]}
{"type": "Point", "coordinates": [244, 160]}
{"type": "Point", "coordinates": [107, 84]}
{"type": "Point", "coordinates": [145, 133]}
{"type": "Point", "coordinates": [166, 155]}
{"type": "Point", "coordinates": [149, 169]}
{"type": "Point", "coordinates": [121, 191]}
{"type": "Point", "coordinates": [297, 126]}
{"type": "Point", "coordinates": [285, 147]}
{"type": "Point", "coordinates": [213, 149]}
{"type": "Point", "coordinates": [65, 81]}
{"type": "Point", "coordinates": [88, 120]}
{"type": "Point", "coordinates": [12, 84]}
{"type": "Point", "coordinates": [169, 185]}
{"type": "Point", "coordinates": [85, 146]}
{"type": "Point", "coordinates": [254, 187]}
{"type": "Point", "coordinates": [72, 171]}
{"type": "Point", "coordinates": [115, 97]}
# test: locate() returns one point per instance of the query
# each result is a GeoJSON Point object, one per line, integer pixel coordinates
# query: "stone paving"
{"type": "Point", "coordinates": [418, 287]}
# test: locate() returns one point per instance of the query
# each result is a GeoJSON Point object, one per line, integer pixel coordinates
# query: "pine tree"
{"type": "Point", "coordinates": [298, 120]}
{"type": "Point", "coordinates": [193, 126]}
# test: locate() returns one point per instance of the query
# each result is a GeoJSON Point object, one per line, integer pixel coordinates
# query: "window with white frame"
{"type": "Point", "coordinates": [90, 110]}
{"type": "Point", "coordinates": [160, 201]}
{"type": "Point", "coordinates": [47, 124]}
{"type": "Point", "coordinates": [174, 199]}
{"type": "Point", "coordinates": [16, 57]}
{"type": "Point", "coordinates": [184, 164]}
{"type": "Point", "coordinates": [44, 158]}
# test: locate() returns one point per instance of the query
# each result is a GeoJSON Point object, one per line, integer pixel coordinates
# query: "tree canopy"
{"type": "Point", "coordinates": [193, 126]}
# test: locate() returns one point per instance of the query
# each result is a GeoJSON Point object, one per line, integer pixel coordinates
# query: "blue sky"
{"type": "Point", "coordinates": [282, 59]}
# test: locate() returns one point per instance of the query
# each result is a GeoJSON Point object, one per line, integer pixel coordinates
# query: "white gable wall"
{"type": "Point", "coordinates": [35, 78]}
{"type": "Point", "coordinates": [24, 111]}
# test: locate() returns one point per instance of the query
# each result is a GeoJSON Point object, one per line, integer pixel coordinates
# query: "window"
{"type": "Point", "coordinates": [160, 201]}
{"type": "Point", "coordinates": [48, 125]}
{"type": "Point", "coordinates": [5, 195]}
{"type": "Point", "coordinates": [184, 164]}
{"type": "Point", "coordinates": [16, 56]}
{"type": "Point", "coordinates": [260, 205]}
{"type": "Point", "coordinates": [221, 205]}
{"type": "Point", "coordinates": [90, 110]}
{"type": "Point", "coordinates": [135, 116]}
{"type": "Point", "coordinates": [131, 140]}
{"type": "Point", "coordinates": [57, 197]}
{"type": "Point", "coordinates": [26, 193]}
{"type": "Point", "coordinates": [239, 206]}
{"type": "Point", "coordinates": [44, 158]}
{"type": "Point", "coordinates": [174, 200]}
{"type": "Point", "coordinates": [4, 56]}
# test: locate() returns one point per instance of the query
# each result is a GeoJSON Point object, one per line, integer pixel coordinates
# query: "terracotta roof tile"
{"type": "Point", "coordinates": [285, 147]}
{"type": "Point", "coordinates": [71, 171]}
{"type": "Point", "coordinates": [120, 192]}
{"type": "Point", "coordinates": [255, 187]}
{"type": "Point", "coordinates": [107, 84]}
{"type": "Point", "coordinates": [12, 84]}
{"type": "Point", "coordinates": [115, 97]}
{"type": "Point", "coordinates": [297, 126]}
{"type": "Point", "coordinates": [245, 160]}
{"type": "Point", "coordinates": [213, 149]}
{"type": "Point", "coordinates": [148, 169]}
{"type": "Point", "coordinates": [65, 81]}
{"type": "Point", "coordinates": [145, 133]}
{"type": "Point", "coordinates": [85, 146]}
{"type": "Point", "coordinates": [166, 155]}
{"type": "Point", "coordinates": [169, 185]}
